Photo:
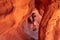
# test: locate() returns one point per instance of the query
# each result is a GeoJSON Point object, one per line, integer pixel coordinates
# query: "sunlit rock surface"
{"type": "Point", "coordinates": [10, 23]}
{"type": "Point", "coordinates": [49, 26]}
{"type": "Point", "coordinates": [13, 13]}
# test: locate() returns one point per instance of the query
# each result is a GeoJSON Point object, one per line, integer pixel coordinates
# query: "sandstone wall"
{"type": "Point", "coordinates": [11, 19]}
{"type": "Point", "coordinates": [48, 22]}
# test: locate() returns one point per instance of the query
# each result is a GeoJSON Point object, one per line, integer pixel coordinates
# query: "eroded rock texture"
{"type": "Point", "coordinates": [10, 20]}
{"type": "Point", "coordinates": [5, 7]}
{"type": "Point", "coordinates": [14, 12]}
{"type": "Point", "coordinates": [48, 29]}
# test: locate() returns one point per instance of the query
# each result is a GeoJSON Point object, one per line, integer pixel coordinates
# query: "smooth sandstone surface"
{"type": "Point", "coordinates": [10, 25]}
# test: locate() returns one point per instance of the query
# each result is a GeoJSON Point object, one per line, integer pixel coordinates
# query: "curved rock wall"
{"type": "Point", "coordinates": [48, 22]}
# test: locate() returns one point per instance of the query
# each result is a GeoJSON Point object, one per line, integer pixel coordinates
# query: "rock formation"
{"type": "Point", "coordinates": [49, 21]}
{"type": "Point", "coordinates": [14, 12]}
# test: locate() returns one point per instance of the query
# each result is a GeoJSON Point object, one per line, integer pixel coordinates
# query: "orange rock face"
{"type": "Point", "coordinates": [11, 17]}
{"type": "Point", "coordinates": [49, 26]}
{"type": "Point", "coordinates": [5, 7]}
{"type": "Point", "coordinates": [5, 20]}
{"type": "Point", "coordinates": [14, 12]}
